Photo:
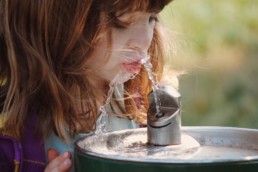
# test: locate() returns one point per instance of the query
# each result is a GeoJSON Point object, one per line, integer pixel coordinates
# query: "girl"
{"type": "Point", "coordinates": [57, 59]}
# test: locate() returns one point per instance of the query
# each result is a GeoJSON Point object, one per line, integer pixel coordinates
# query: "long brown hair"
{"type": "Point", "coordinates": [44, 49]}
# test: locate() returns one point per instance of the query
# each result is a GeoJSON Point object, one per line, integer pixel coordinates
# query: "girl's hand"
{"type": "Point", "coordinates": [58, 163]}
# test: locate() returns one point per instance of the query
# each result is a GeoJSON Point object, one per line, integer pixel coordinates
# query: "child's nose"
{"type": "Point", "coordinates": [143, 36]}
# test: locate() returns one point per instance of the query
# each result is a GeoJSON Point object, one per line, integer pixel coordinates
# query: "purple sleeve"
{"type": "Point", "coordinates": [10, 152]}
{"type": "Point", "coordinates": [29, 153]}
{"type": "Point", "coordinates": [33, 147]}
{"type": "Point", "coordinates": [5, 164]}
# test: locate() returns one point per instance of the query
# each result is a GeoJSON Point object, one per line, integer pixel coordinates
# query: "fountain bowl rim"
{"type": "Point", "coordinates": [184, 129]}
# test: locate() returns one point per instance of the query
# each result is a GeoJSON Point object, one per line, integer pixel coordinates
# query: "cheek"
{"type": "Point", "coordinates": [116, 55]}
{"type": "Point", "coordinates": [98, 56]}
{"type": "Point", "coordinates": [120, 38]}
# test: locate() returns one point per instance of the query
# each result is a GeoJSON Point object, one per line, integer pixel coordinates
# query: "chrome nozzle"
{"type": "Point", "coordinates": [164, 129]}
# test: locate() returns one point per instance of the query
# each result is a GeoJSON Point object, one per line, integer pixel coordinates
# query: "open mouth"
{"type": "Point", "coordinates": [133, 67]}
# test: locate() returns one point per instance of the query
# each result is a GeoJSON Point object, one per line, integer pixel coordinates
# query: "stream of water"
{"type": "Point", "coordinates": [119, 79]}
{"type": "Point", "coordinates": [155, 88]}
{"type": "Point", "coordinates": [103, 119]}
{"type": "Point", "coordinates": [102, 123]}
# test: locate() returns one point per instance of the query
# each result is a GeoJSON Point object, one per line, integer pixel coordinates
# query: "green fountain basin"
{"type": "Point", "coordinates": [203, 149]}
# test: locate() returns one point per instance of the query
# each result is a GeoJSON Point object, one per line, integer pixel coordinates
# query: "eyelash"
{"type": "Point", "coordinates": [124, 25]}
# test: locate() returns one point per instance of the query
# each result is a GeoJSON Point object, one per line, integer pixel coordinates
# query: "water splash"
{"type": "Point", "coordinates": [120, 78]}
{"type": "Point", "coordinates": [103, 119]}
{"type": "Point", "coordinates": [155, 88]}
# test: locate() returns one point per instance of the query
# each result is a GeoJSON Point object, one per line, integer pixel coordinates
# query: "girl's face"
{"type": "Point", "coordinates": [129, 45]}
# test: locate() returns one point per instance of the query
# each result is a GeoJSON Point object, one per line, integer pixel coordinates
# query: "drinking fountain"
{"type": "Point", "coordinates": [166, 146]}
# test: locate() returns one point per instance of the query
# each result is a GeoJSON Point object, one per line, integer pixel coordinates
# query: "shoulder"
{"type": "Point", "coordinates": [116, 123]}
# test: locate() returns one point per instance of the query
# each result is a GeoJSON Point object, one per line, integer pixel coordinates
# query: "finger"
{"type": "Point", "coordinates": [61, 162]}
{"type": "Point", "coordinates": [52, 154]}
{"type": "Point", "coordinates": [65, 166]}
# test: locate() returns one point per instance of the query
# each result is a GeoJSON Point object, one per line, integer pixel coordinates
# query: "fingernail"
{"type": "Point", "coordinates": [67, 162]}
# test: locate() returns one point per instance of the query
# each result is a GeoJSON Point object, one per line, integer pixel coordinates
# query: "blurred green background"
{"type": "Point", "coordinates": [216, 44]}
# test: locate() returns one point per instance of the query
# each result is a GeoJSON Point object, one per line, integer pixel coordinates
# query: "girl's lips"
{"type": "Point", "coordinates": [133, 67]}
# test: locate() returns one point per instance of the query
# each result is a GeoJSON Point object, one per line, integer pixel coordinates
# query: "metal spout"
{"type": "Point", "coordinates": [164, 129]}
